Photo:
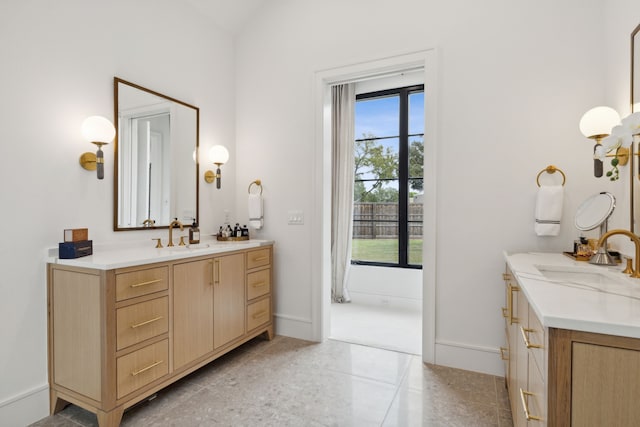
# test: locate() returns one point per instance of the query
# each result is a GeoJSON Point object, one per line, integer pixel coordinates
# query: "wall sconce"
{"type": "Point", "coordinates": [99, 131]}
{"type": "Point", "coordinates": [218, 156]}
{"type": "Point", "coordinates": [599, 123]}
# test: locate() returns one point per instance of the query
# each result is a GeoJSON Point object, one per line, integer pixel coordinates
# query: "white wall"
{"type": "Point", "coordinates": [58, 63]}
{"type": "Point", "coordinates": [514, 80]}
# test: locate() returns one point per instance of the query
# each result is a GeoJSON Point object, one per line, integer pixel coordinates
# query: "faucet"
{"type": "Point", "coordinates": [148, 223]}
{"type": "Point", "coordinates": [173, 224]}
{"type": "Point", "coordinates": [630, 235]}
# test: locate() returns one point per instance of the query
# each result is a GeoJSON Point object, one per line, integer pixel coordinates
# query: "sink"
{"type": "Point", "coordinates": [188, 248]}
{"type": "Point", "coordinates": [601, 279]}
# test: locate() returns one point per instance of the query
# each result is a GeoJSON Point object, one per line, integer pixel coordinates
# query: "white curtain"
{"type": "Point", "coordinates": [342, 140]}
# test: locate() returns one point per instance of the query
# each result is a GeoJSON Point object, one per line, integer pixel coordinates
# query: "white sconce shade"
{"type": "Point", "coordinates": [218, 155]}
{"type": "Point", "coordinates": [98, 129]}
{"type": "Point", "coordinates": [597, 122]}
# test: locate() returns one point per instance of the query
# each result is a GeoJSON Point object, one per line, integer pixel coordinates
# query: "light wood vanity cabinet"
{"type": "Point", "coordinates": [559, 377]}
{"type": "Point", "coordinates": [118, 336]}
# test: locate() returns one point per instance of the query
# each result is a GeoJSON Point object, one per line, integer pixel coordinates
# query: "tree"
{"type": "Point", "coordinates": [377, 163]}
{"type": "Point", "coordinates": [416, 165]}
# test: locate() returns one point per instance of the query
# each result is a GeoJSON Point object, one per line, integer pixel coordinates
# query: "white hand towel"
{"type": "Point", "coordinates": [255, 211]}
{"type": "Point", "coordinates": [549, 210]}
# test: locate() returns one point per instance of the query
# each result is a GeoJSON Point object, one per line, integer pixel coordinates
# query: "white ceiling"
{"type": "Point", "coordinates": [228, 14]}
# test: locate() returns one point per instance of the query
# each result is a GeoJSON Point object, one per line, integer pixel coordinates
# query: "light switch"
{"type": "Point", "coordinates": [295, 218]}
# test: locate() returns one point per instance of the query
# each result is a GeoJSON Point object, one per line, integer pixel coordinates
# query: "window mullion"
{"type": "Point", "coordinates": [403, 180]}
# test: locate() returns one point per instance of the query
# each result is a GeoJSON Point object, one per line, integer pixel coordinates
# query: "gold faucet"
{"type": "Point", "coordinates": [148, 223]}
{"type": "Point", "coordinates": [173, 224]}
{"type": "Point", "coordinates": [630, 235]}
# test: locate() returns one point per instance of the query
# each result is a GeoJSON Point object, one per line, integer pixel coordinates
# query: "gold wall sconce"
{"type": "Point", "coordinates": [99, 131]}
{"type": "Point", "coordinates": [602, 125]}
{"type": "Point", "coordinates": [218, 155]}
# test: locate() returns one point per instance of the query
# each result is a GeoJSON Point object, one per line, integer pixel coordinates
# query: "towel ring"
{"type": "Point", "coordinates": [551, 170]}
{"type": "Point", "coordinates": [258, 183]}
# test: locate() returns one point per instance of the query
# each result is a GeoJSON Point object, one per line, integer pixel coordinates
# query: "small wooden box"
{"type": "Point", "coordinates": [70, 250]}
{"type": "Point", "coordinates": [76, 234]}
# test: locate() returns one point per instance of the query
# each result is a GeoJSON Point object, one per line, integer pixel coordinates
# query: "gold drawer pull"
{"type": "Point", "coordinates": [502, 352]}
{"type": "Point", "coordinates": [505, 312]}
{"type": "Point", "coordinates": [150, 282]}
{"type": "Point", "coordinates": [259, 284]}
{"type": "Point", "coordinates": [153, 365]}
{"type": "Point", "coordinates": [259, 314]}
{"type": "Point", "coordinates": [525, 406]}
{"type": "Point", "coordinates": [262, 258]}
{"type": "Point", "coordinates": [525, 336]}
{"type": "Point", "coordinates": [137, 325]}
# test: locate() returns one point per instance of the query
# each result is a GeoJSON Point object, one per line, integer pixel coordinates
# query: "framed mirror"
{"type": "Point", "coordinates": [156, 162]}
{"type": "Point", "coordinates": [635, 150]}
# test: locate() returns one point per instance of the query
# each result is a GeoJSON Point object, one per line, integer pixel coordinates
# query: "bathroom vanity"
{"type": "Point", "coordinates": [572, 354]}
{"type": "Point", "coordinates": [125, 323]}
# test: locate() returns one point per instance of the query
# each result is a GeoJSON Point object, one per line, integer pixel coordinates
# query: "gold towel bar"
{"type": "Point", "coordinates": [551, 169]}
{"type": "Point", "coordinates": [258, 183]}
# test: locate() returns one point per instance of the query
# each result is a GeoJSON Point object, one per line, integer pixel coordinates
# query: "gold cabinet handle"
{"type": "Point", "coordinates": [506, 276]}
{"type": "Point", "coordinates": [259, 314]}
{"type": "Point", "coordinates": [262, 258]}
{"type": "Point", "coordinates": [216, 280]}
{"type": "Point", "coordinates": [146, 322]}
{"type": "Point", "coordinates": [212, 273]}
{"type": "Point", "coordinates": [512, 319]}
{"type": "Point", "coordinates": [150, 282]}
{"type": "Point", "coordinates": [153, 365]}
{"type": "Point", "coordinates": [525, 336]}
{"type": "Point", "coordinates": [505, 312]}
{"type": "Point", "coordinates": [503, 350]}
{"type": "Point", "coordinates": [259, 284]}
{"type": "Point", "coordinates": [525, 406]}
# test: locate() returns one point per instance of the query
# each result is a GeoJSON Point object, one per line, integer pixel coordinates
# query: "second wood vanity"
{"type": "Point", "coordinates": [118, 334]}
{"type": "Point", "coordinates": [572, 355]}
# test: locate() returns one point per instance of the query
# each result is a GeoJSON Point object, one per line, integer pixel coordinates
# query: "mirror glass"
{"type": "Point", "coordinates": [156, 165]}
{"type": "Point", "coordinates": [594, 211]}
{"type": "Point", "coordinates": [635, 106]}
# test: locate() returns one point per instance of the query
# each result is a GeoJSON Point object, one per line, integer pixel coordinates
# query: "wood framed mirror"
{"type": "Point", "coordinates": [155, 158]}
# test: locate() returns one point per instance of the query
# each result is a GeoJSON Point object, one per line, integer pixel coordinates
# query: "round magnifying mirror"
{"type": "Point", "coordinates": [594, 211]}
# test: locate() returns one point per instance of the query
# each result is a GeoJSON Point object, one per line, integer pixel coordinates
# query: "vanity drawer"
{"type": "Point", "coordinates": [258, 313]}
{"type": "Point", "coordinates": [258, 258]}
{"type": "Point", "coordinates": [142, 367]}
{"type": "Point", "coordinates": [141, 282]}
{"type": "Point", "coordinates": [258, 283]}
{"type": "Point", "coordinates": [141, 321]}
{"type": "Point", "coordinates": [537, 340]}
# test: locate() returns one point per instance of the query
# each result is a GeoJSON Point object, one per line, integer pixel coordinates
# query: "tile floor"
{"type": "Point", "coordinates": [289, 382]}
{"type": "Point", "coordinates": [390, 327]}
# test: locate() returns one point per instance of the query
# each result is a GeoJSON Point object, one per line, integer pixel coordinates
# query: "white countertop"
{"type": "Point", "coordinates": [127, 254]}
{"type": "Point", "coordinates": [610, 308]}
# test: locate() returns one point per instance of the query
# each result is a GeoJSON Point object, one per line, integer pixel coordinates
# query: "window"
{"type": "Point", "coordinates": [388, 186]}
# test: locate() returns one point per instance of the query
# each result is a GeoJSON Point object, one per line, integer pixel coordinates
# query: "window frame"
{"type": "Point", "coordinates": [403, 173]}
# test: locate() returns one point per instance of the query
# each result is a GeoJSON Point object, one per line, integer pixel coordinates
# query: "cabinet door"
{"type": "Point", "coordinates": [192, 311]}
{"type": "Point", "coordinates": [228, 299]}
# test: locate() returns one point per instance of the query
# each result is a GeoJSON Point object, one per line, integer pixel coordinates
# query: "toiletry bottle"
{"type": "Point", "coordinates": [245, 231]}
{"type": "Point", "coordinates": [194, 234]}
{"type": "Point", "coordinates": [238, 230]}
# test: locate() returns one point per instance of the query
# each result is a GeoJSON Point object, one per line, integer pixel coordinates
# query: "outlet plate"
{"type": "Point", "coordinates": [295, 217]}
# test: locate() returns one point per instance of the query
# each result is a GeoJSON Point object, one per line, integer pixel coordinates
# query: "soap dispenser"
{"type": "Point", "coordinates": [194, 233]}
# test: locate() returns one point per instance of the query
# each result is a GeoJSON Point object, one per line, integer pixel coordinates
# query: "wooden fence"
{"type": "Point", "coordinates": [380, 220]}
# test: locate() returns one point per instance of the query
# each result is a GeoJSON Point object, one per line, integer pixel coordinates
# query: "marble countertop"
{"type": "Point", "coordinates": [565, 301]}
{"type": "Point", "coordinates": [112, 255]}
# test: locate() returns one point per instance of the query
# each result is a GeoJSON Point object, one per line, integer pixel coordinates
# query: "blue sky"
{"type": "Point", "coordinates": [380, 116]}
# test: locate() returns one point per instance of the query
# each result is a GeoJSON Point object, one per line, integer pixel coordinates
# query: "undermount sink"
{"type": "Point", "coordinates": [188, 248]}
{"type": "Point", "coordinates": [589, 276]}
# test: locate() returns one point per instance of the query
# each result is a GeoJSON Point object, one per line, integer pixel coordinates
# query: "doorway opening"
{"type": "Point", "coordinates": [422, 62]}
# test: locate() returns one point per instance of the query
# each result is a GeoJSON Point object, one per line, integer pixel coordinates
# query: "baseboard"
{"type": "Point", "coordinates": [385, 300]}
{"type": "Point", "coordinates": [294, 327]}
{"type": "Point", "coordinates": [469, 357]}
{"type": "Point", "coordinates": [25, 408]}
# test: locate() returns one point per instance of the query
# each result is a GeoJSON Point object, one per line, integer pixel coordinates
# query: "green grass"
{"type": "Point", "coordinates": [384, 250]}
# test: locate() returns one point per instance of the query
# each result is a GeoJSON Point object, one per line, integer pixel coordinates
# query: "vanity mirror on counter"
{"type": "Point", "coordinates": [594, 212]}
{"type": "Point", "coordinates": [635, 106]}
{"type": "Point", "coordinates": [156, 163]}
